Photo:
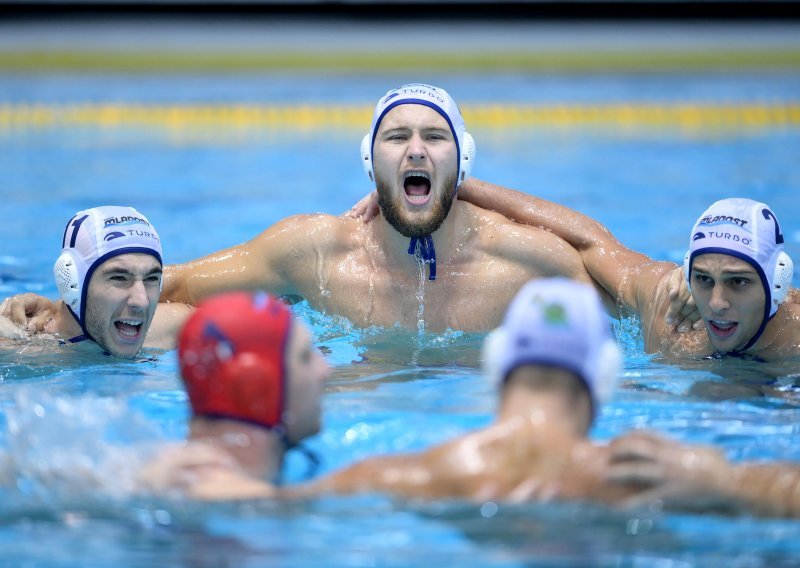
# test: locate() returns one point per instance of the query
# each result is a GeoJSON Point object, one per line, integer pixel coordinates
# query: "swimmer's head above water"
{"type": "Point", "coordinates": [427, 95]}
{"type": "Point", "coordinates": [109, 276]}
{"type": "Point", "coordinates": [737, 271]}
{"type": "Point", "coordinates": [557, 323]}
{"type": "Point", "coordinates": [417, 152]}
{"type": "Point", "coordinates": [243, 357]}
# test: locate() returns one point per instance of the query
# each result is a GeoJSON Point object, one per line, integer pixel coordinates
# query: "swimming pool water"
{"type": "Point", "coordinates": [391, 390]}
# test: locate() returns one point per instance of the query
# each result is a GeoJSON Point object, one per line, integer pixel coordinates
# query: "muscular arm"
{"type": "Point", "coordinates": [692, 477]}
{"type": "Point", "coordinates": [400, 475]}
{"type": "Point", "coordinates": [269, 262]}
{"type": "Point", "coordinates": [625, 274]}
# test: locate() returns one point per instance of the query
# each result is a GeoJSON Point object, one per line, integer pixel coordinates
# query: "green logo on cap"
{"type": "Point", "coordinates": [553, 314]}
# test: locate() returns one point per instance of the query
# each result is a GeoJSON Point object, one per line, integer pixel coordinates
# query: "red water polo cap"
{"type": "Point", "coordinates": [232, 355]}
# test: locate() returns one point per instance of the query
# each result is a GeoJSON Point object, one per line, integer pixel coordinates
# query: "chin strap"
{"type": "Point", "coordinates": [423, 246]}
{"type": "Point", "coordinates": [311, 457]}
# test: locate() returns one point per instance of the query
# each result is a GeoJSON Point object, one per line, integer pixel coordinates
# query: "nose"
{"type": "Point", "coordinates": [416, 148]}
{"type": "Point", "coordinates": [718, 302]}
{"type": "Point", "coordinates": [137, 296]}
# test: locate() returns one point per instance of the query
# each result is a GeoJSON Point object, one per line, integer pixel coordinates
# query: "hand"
{"type": "Point", "coordinates": [366, 209]}
{"type": "Point", "coordinates": [682, 312]}
{"type": "Point", "coordinates": [678, 475]}
{"type": "Point", "coordinates": [9, 330]}
{"type": "Point", "coordinates": [30, 311]}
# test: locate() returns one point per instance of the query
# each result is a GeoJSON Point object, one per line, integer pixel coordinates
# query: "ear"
{"type": "Point", "coordinates": [366, 156]}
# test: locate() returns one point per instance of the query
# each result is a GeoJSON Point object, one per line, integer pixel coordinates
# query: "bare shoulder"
{"type": "Point", "coordinates": [317, 230]}
{"type": "Point", "coordinates": [785, 332]}
{"type": "Point", "coordinates": [501, 235]}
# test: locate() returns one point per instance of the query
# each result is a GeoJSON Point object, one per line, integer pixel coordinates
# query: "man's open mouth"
{"type": "Point", "coordinates": [417, 186]}
{"type": "Point", "coordinates": [128, 329]}
{"type": "Point", "coordinates": [722, 328]}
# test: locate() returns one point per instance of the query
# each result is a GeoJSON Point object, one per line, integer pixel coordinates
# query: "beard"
{"type": "Point", "coordinates": [410, 225]}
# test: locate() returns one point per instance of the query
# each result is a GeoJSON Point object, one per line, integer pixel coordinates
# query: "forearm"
{"type": "Point", "coordinates": [771, 490]}
{"type": "Point", "coordinates": [399, 475]}
{"type": "Point", "coordinates": [243, 267]}
{"type": "Point", "coordinates": [608, 261]}
{"type": "Point", "coordinates": [176, 284]}
{"type": "Point", "coordinates": [577, 229]}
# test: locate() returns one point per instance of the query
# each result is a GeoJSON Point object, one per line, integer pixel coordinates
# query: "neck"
{"type": "Point", "coordinates": [395, 245]}
{"type": "Point", "coordinates": [547, 410]}
{"type": "Point", "coordinates": [772, 334]}
{"type": "Point", "coordinates": [258, 451]}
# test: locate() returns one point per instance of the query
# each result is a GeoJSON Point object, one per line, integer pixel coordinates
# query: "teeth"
{"type": "Point", "coordinates": [131, 322]}
{"type": "Point", "coordinates": [417, 174]}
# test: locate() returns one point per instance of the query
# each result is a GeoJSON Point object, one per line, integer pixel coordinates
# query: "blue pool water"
{"type": "Point", "coordinates": [391, 391]}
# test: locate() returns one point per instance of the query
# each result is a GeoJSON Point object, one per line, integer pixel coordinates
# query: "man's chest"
{"type": "Point", "coordinates": [467, 296]}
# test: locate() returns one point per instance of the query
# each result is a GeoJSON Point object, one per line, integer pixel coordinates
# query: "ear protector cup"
{"type": "Point", "coordinates": [782, 281]}
{"type": "Point", "coordinates": [68, 279]}
{"type": "Point", "coordinates": [366, 157]}
{"type": "Point", "coordinates": [467, 157]}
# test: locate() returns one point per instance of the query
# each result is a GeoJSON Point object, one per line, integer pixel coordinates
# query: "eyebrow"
{"type": "Point", "coordinates": [120, 270]}
{"type": "Point", "coordinates": [409, 128]}
{"type": "Point", "coordinates": [728, 272]}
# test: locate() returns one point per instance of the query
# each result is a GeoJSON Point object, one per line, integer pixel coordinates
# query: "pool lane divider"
{"type": "Point", "coordinates": [243, 117]}
{"type": "Point", "coordinates": [612, 59]}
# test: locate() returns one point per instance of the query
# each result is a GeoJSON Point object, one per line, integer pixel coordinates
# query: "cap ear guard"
{"type": "Point", "coordinates": [609, 362]}
{"type": "Point", "coordinates": [782, 279]}
{"type": "Point", "coordinates": [467, 157]}
{"type": "Point", "coordinates": [686, 267]}
{"type": "Point", "coordinates": [366, 157]}
{"type": "Point", "coordinates": [492, 355]}
{"type": "Point", "coordinates": [68, 280]}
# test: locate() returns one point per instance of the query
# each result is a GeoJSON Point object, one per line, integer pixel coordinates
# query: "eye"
{"type": "Point", "coordinates": [118, 278]}
{"type": "Point", "coordinates": [702, 280]}
{"type": "Point", "coordinates": [436, 136]}
{"type": "Point", "coordinates": [740, 282]}
{"type": "Point", "coordinates": [153, 278]}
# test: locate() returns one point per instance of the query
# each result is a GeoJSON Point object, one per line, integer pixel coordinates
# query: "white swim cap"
{"type": "Point", "coordinates": [748, 230]}
{"type": "Point", "coordinates": [438, 100]}
{"type": "Point", "coordinates": [560, 323]}
{"type": "Point", "coordinates": [92, 237]}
